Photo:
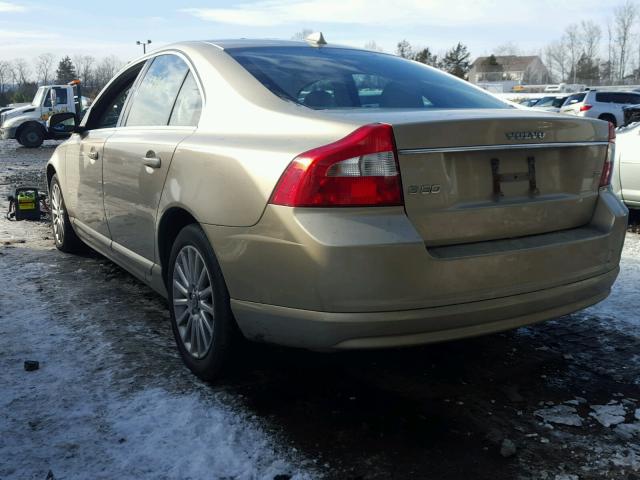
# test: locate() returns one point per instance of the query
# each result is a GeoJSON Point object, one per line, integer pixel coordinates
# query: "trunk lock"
{"type": "Point", "coordinates": [499, 178]}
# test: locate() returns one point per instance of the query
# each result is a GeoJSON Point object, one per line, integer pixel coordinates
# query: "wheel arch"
{"type": "Point", "coordinates": [608, 117]}
{"type": "Point", "coordinates": [30, 123]}
{"type": "Point", "coordinates": [173, 220]}
{"type": "Point", "coordinates": [51, 171]}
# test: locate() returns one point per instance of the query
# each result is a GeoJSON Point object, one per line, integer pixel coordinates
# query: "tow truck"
{"type": "Point", "coordinates": [27, 124]}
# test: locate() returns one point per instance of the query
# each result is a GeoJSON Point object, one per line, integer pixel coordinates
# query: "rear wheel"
{"type": "Point", "coordinates": [65, 238]}
{"type": "Point", "coordinates": [609, 118]}
{"type": "Point", "coordinates": [201, 317]}
{"type": "Point", "coordinates": [31, 136]}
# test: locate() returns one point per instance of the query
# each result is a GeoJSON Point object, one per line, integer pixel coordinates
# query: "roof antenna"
{"type": "Point", "coordinates": [316, 39]}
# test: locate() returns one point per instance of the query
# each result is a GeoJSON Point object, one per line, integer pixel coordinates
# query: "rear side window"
{"type": "Point", "coordinates": [156, 94]}
{"type": "Point", "coordinates": [330, 78]}
{"type": "Point", "coordinates": [605, 97]}
{"type": "Point", "coordinates": [186, 111]}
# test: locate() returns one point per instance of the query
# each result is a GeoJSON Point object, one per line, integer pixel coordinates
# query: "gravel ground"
{"type": "Point", "coordinates": [111, 399]}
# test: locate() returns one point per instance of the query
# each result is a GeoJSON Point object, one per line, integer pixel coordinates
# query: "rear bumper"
{"type": "Point", "coordinates": [361, 278]}
{"type": "Point", "coordinates": [338, 331]}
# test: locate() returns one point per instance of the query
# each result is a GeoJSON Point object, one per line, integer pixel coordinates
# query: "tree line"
{"type": "Point", "coordinates": [19, 79]}
{"type": "Point", "coordinates": [585, 55]}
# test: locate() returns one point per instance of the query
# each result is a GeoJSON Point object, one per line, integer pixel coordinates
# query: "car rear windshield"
{"type": "Point", "coordinates": [575, 98]}
{"type": "Point", "coordinates": [331, 78]}
{"type": "Point", "coordinates": [551, 102]}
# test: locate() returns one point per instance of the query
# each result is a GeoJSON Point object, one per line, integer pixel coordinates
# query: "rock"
{"type": "Point", "coordinates": [31, 365]}
{"type": "Point", "coordinates": [566, 476]}
{"type": "Point", "coordinates": [637, 414]}
{"type": "Point", "coordinates": [508, 448]}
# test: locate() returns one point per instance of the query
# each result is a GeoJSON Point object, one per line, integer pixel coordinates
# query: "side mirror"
{"type": "Point", "coordinates": [62, 124]}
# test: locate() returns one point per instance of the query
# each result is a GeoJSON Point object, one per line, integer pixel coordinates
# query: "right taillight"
{"type": "Point", "coordinates": [607, 168]}
{"type": "Point", "coordinates": [585, 107]}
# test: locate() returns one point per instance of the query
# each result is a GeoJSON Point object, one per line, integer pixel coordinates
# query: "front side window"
{"type": "Point", "coordinates": [107, 110]}
{"type": "Point", "coordinates": [157, 92]}
{"type": "Point", "coordinates": [330, 78]}
{"type": "Point", "coordinates": [186, 111]}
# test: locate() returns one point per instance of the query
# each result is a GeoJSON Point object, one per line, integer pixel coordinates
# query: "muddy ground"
{"type": "Point", "coordinates": [111, 399]}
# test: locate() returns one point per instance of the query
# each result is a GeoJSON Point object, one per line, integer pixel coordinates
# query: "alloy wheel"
{"type": "Point", "coordinates": [57, 213]}
{"type": "Point", "coordinates": [193, 302]}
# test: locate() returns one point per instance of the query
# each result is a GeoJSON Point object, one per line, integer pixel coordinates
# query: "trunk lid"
{"type": "Point", "coordinates": [486, 175]}
{"type": "Point", "coordinates": [478, 162]}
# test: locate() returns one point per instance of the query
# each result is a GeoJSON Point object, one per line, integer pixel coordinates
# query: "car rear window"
{"type": "Point", "coordinates": [575, 98]}
{"type": "Point", "coordinates": [332, 78]}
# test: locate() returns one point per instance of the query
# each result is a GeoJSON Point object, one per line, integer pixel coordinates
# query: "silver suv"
{"type": "Point", "coordinates": [603, 105]}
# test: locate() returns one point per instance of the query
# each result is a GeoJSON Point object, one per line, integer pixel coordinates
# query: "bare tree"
{"type": "Point", "coordinates": [44, 67]}
{"type": "Point", "coordinates": [611, 67]}
{"type": "Point", "coordinates": [591, 36]}
{"type": "Point", "coordinates": [84, 67]}
{"type": "Point", "coordinates": [302, 34]}
{"type": "Point", "coordinates": [558, 59]}
{"type": "Point", "coordinates": [573, 45]}
{"type": "Point", "coordinates": [507, 49]}
{"type": "Point", "coordinates": [404, 49]}
{"type": "Point", "coordinates": [105, 70]}
{"type": "Point", "coordinates": [5, 73]}
{"type": "Point", "coordinates": [624, 17]}
{"type": "Point", "coordinates": [373, 46]}
{"type": "Point", "coordinates": [20, 71]}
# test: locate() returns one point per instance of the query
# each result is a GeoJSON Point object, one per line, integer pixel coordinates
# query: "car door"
{"type": "Point", "coordinates": [84, 160]}
{"type": "Point", "coordinates": [138, 155]}
{"type": "Point", "coordinates": [630, 169]}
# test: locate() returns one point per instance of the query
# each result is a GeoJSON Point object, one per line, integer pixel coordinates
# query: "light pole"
{"type": "Point", "coordinates": [144, 45]}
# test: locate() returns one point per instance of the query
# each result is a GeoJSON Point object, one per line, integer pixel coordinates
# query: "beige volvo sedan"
{"type": "Point", "coordinates": [333, 198]}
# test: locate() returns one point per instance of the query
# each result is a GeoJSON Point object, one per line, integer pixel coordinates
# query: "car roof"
{"type": "Point", "coordinates": [225, 44]}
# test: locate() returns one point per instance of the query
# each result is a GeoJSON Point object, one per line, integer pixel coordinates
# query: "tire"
{"type": "Point", "coordinates": [31, 136]}
{"type": "Point", "coordinates": [64, 237]}
{"type": "Point", "coordinates": [192, 303]}
{"type": "Point", "coordinates": [609, 118]}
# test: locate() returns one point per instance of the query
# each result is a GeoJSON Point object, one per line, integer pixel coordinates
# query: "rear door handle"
{"type": "Point", "coordinates": [93, 154]}
{"type": "Point", "coordinates": [150, 160]}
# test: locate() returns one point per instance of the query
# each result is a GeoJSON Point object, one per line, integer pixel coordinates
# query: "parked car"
{"type": "Point", "coordinates": [626, 175]}
{"type": "Point", "coordinates": [551, 104]}
{"type": "Point", "coordinates": [529, 102]}
{"type": "Point", "coordinates": [333, 198]}
{"type": "Point", "coordinates": [603, 105]}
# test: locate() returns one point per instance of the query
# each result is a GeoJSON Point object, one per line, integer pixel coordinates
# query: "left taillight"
{"type": "Point", "coordinates": [358, 170]}
{"type": "Point", "coordinates": [607, 168]}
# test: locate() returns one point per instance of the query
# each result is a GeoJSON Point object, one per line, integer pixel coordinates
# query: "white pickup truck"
{"type": "Point", "coordinates": [27, 124]}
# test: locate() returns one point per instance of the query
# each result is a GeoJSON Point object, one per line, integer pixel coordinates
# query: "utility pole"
{"type": "Point", "coordinates": [144, 45]}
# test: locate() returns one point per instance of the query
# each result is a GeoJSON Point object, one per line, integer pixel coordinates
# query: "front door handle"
{"type": "Point", "coordinates": [150, 160]}
{"type": "Point", "coordinates": [93, 154]}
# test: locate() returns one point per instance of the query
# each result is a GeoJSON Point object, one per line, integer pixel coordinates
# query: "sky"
{"type": "Point", "coordinates": [100, 28]}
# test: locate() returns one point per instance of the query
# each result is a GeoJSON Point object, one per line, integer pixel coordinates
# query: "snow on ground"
{"type": "Point", "coordinates": [622, 310]}
{"type": "Point", "coordinates": [82, 414]}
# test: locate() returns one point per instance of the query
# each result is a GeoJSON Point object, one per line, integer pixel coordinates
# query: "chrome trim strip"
{"type": "Point", "coordinates": [519, 146]}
